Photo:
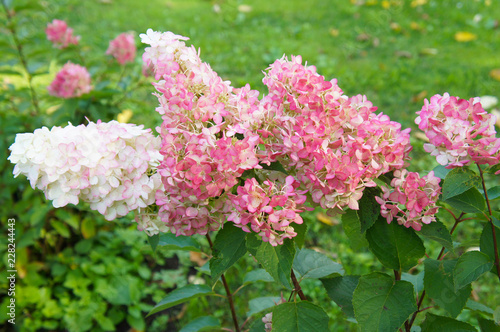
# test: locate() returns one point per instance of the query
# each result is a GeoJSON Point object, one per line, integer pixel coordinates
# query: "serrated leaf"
{"type": "Point", "coordinates": [310, 264]}
{"type": "Point", "coordinates": [395, 246]}
{"type": "Point", "coordinates": [438, 232]}
{"type": "Point", "coordinates": [382, 304]}
{"type": "Point", "coordinates": [369, 209]}
{"type": "Point", "coordinates": [470, 266]}
{"type": "Point", "coordinates": [202, 323]}
{"type": "Point", "coordinates": [417, 280]}
{"type": "Point", "coordinates": [438, 282]}
{"type": "Point", "coordinates": [486, 242]}
{"type": "Point", "coordinates": [181, 295]}
{"type": "Point", "coordinates": [229, 246]}
{"type": "Point", "coordinates": [470, 201]}
{"type": "Point", "coordinates": [301, 230]}
{"type": "Point", "coordinates": [299, 317]}
{"type": "Point", "coordinates": [434, 323]}
{"type": "Point", "coordinates": [458, 181]}
{"type": "Point", "coordinates": [277, 261]}
{"type": "Point", "coordinates": [352, 228]}
{"type": "Point", "coordinates": [169, 241]}
{"type": "Point", "coordinates": [257, 275]}
{"type": "Point", "coordinates": [476, 306]}
{"type": "Point", "coordinates": [340, 290]}
{"type": "Point", "coordinates": [262, 303]}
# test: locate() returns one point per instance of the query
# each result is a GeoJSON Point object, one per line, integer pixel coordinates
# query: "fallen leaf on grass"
{"type": "Point", "coordinates": [428, 51]}
{"type": "Point", "coordinates": [419, 96]}
{"type": "Point", "coordinates": [334, 32]}
{"type": "Point", "coordinates": [244, 8]}
{"type": "Point", "coordinates": [495, 74]}
{"type": "Point", "coordinates": [465, 36]}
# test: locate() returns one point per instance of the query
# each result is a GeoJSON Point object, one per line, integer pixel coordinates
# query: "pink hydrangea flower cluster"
{"type": "Point", "coordinates": [268, 209]}
{"type": "Point", "coordinates": [71, 81]}
{"type": "Point", "coordinates": [60, 35]}
{"type": "Point", "coordinates": [109, 165]}
{"type": "Point", "coordinates": [202, 158]}
{"type": "Point", "coordinates": [122, 48]}
{"type": "Point", "coordinates": [336, 145]}
{"type": "Point", "coordinates": [413, 199]}
{"type": "Point", "coordinates": [460, 131]}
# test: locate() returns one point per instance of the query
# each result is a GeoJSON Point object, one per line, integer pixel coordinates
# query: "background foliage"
{"type": "Point", "coordinates": [79, 272]}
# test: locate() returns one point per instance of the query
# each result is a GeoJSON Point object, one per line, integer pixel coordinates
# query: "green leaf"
{"type": "Point", "coordinates": [105, 323]}
{"type": "Point", "coordinates": [301, 230]}
{"type": "Point", "coordinates": [299, 317]}
{"type": "Point", "coordinates": [202, 323]}
{"type": "Point", "coordinates": [494, 193]}
{"type": "Point", "coordinates": [257, 275]}
{"type": "Point", "coordinates": [382, 304]}
{"type": "Point", "coordinates": [438, 282]}
{"type": "Point", "coordinates": [470, 266]}
{"type": "Point", "coordinates": [440, 171]}
{"type": "Point", "coordinates": [496, 315]}
{"type": "Point", "coordinates": [61, 228]}
{"type": "Point", "coordinates": [169, 241]}
{"type": "Point", "coordinates": [395, 246]}
{"type": "Point", "coordinates": [275, 166]}
{"type": "Point", "coordinates": [181, 295]}
{"type": "Point", "coordinates": [340, 290]}
{"type": "Point", "coordinates": [229, 246]}
{"type": "Point", "coordinates": [458, 181]}
{"type": "Point", "coordinates": [262, 303]}
{"type": "Point", "coordinates": [487, 325]}
{"type": "Point", "coordinates": [476, 306]}
{"type": "Point", "coordinates": [470, 201]}
{"type": "Point", "coordinates": [417, 280]}
{"type": "Point", "coordinates": [137, 323]}
{"type": "Point", "coordinates": [434, 323]}
{"type": "Point", "coordinates": [276, 260]}
{"type": "Point", "coordinates": [88, 228]}
{"type": "Point", "coordinates": [486, 243]}
{"type": "Point", "coordinates": [153, 241]}
{"type": "Point", "coordinates": [438, 232]}
{"type": "Point", "coordinates": [369, 209]}
{"type": "Point", "coordinates": [310, 264]}
{"type": "Point", "coordinates": [352, 228]}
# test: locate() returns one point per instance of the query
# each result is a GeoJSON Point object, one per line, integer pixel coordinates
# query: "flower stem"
{"type": "Point", "coordinates": [490, 220]}
{"type": "Point", "coordinates": [296, 286]}
{"type": "Point", "coordinates": [228, 291]}
{"type": "Point", "coordinates": [22, 57]}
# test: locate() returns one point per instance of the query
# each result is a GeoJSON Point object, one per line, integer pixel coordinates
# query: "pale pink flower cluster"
{"type": "Point", "coordinates": [460, 131]}
{"type": "Point", "coordinates": [122, 48]}
{"type": "Point", "coordinates": [336, 145]}
{"type": "Point", "coordinates": [71, 81]}
{"type": "Point", "coordinates": [60, 35]}
{"type": "Point", "coordinates": [109, 165]}
{"type": "Point", "coordinates": [202, 158]}
{"type": "Point", "coordinates": [268, 209]}
{"type": "Point", "coordinates": [412, 200]}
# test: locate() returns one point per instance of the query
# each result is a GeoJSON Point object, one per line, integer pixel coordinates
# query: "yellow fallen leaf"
{"type": "Point", "coordinates": [334, 32]}
{"type": "Point", "coordinates": [244, 8]}
{"type": "Point", "coordinates": [395, 26]}
{"type": "Point", "coordinates": [417, 3]}
{"type": "Point", "coordinates": [495, 74]}
{"type": "Point", "coordinates": [124, 116]}
{"type": "Point", "coordinates": [465, 36]}
{"type": "Point", "coordinates": [415, 26]}
{"type": "Point", "coordinates": [326, 219]}
{"type": "Point", "coordinates": [386, 4]}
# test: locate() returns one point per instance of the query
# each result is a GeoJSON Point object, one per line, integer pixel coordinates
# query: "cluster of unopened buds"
{"type": "Point", "coordinates": [412, 200]}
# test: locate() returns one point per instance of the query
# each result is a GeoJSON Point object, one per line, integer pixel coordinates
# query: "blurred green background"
{"type": "Point", "coordinates": [79, 272]}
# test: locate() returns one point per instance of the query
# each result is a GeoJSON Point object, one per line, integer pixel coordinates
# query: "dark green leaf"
{"type": "Point", "coordinates": [487, 325]}
{"type": "Point", "coordinates": [153, 241]}
{"type": "Point", "coordinates": [301, 230]}
{"type": "Point", "coordinates": [229, 246]}
{"type": "Point", "coordinates": [395, 246]}
{"type": "Point", "coordinates": [438, 282]}
{"type": "Point", "coordinates": [476, 306]}
{"type": "Point", "coordinates": [440, 171]}
{"type": "Point", "coordinates": [369, 209]}
{"type": "Point", "coordinates": [470, 266]}
{"type": "Point", "coordinates": [276, 260]}
{"type": "Point", "coordinates": [181, 295]}
{"type": "Point", "coordinates": [299, 317]}
{"type": "Point", "coordinates": [257, 275]}
{"type": "Point", "coordinates": [470, 201]}
{"type": "Point", "coordinates": [437, 231]}
{"type": "Point", "coordinates": [262, 303]}
{"type": "Point", "coordinates": [352, 228]}
{"type": "Point", "coordinates": [486, 242]}
{"type": "Point", "coordinates": [382, 304]}
{"type": "Point", "coordinates": [340, 290]}
{"type": "Point", "coordinates": [202, 323]}
{"type": "Point", "coordinates": [310, 264]}
{"type": "Point", "coordinates": [434, 323]}
{"type": "Point", "coordinates": [494, 193]}
{"type": "Point", "coordinates": [416, 279]}
{"type": "Point", "coordinates": [275, 166]}
{"type": "Point", "coordinates": [458, 181]}
{"type": "Point", "coordinates": [169, 241]}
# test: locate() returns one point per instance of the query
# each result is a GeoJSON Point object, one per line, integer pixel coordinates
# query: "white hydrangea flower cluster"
{"type": "Point", "coordinates": [109, 165]}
